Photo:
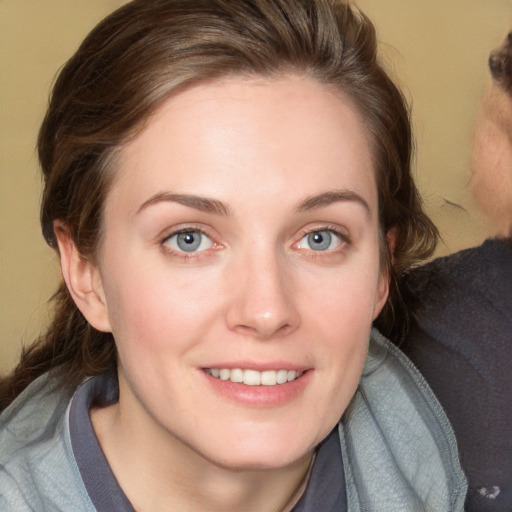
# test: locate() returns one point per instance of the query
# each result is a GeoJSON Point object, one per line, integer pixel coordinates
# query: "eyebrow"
{"type": "Point", "coordinates": [204, 204]}
{"type": "Point", "coordinates": [217, 207]}
{"type": "Point", "coordinates": [330, 197]}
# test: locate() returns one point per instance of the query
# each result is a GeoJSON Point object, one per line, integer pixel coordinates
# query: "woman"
{"type": "Point", "coordinates": [223, 182]}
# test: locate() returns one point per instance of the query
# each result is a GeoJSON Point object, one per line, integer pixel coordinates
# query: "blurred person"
{"type": "Point", "coordinates": [461, 336]}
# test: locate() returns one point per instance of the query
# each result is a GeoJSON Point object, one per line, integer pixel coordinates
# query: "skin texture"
{"type": "Point", "coordinates": [491, 161]}
{"type": "Point", "coordinates": [275, 160]}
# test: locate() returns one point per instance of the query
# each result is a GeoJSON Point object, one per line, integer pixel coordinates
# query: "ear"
{"type": "Point", "coordinates": [384, 278]}
{"type": "Point", "coordinates": [83, 280]}
{"type": "Point", "coordinates": [382, 293]}
{"type": "Point", "coordinates": [391, 241]}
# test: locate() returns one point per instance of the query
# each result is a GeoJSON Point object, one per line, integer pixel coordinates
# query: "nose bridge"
{"type": "Point", "coordinates": [263, 304]}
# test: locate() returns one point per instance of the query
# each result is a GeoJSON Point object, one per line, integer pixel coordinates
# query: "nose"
{"type": "Point", "coordinates": [262, 302]}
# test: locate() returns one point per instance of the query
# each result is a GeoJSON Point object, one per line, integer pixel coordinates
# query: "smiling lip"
{"type": "Point", "coordinates": [258, 388]}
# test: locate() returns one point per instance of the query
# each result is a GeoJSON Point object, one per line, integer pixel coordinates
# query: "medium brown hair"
{"type": "Point", "coordinates": [149, 49]}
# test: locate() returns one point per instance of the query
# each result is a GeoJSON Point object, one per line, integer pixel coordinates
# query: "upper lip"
{"type": "Point", "coordinates": [261, 367]}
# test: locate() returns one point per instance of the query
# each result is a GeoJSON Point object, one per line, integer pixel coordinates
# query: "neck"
{"type": "Point", "coordinates": [157, 474]}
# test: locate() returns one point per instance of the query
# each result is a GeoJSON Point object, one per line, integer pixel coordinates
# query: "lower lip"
{"type": "Point", "coordinates": [260, 396]}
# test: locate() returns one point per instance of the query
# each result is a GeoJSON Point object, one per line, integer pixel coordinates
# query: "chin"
{"type": "Point", "coordinates": [260, 450]}
{"type": "Point", "coordinates": [262, 461]}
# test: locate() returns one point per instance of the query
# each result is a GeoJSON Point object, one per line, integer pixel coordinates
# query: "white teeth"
{"type": "Point", "coordinates": [254, 377]}
{"type": "Point", "coordinates": [237, 375]}
{"type": "Point", "coordinates": [268, 378]}
{"type": "Point", "coordinates": [282, 376]}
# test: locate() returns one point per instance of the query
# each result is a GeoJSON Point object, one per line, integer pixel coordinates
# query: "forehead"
{"type": "Point", "coordinates": [248, 134]}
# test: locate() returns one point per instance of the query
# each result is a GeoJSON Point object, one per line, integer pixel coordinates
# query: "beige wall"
{"type": "Point", "coordinates": [438, 48]}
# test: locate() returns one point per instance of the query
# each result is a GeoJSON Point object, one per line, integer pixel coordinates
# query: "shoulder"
{"type": "Point", "coordinates": [36, 462]}
{"type": "Point", "coordinates": [463, 302]}
{"type": "Point", "coordinates": [464, 298]}
{"type": "Point", "coordinates": [482, 274]}
{"type": "Point", "coordinates": [399, 450]}
{"type": "Point", "coordinates": [32, 418]}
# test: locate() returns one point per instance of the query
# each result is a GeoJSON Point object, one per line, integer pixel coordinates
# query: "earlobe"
{"type": "Point", "coordinates": [82, 279]}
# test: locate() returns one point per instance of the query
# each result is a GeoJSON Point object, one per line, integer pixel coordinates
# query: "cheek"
{"type": "Point", "coordinates": [346, 297]}
{"type": "Point", "coordinates": [149, 307]}
{"type": "Point", "coordinates": [491, 182]}
{"type": "Point", "coordinates": [344, 324]}
{"type": "Point", "coordinates": [491, 159]}
{"type": "Point", "coordinates": [342, 312]}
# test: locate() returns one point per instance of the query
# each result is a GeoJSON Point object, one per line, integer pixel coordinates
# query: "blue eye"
{"type": "Point", "coordinates": [322, 240]}
{"type": "Point", "coordinates": [189, 241]}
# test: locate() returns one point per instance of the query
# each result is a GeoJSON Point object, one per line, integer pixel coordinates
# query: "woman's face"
{"type": "Point", "coordinates": [241, 243]}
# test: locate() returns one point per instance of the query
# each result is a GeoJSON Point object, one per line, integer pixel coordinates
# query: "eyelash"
{"type": "Point", "coordinates": [344, 242]}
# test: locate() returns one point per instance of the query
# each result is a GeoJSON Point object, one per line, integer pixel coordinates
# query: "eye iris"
{"type": "Point", "coordinates": [189, 242]}
{"type": "Point", "coordinates": [319, 240]}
